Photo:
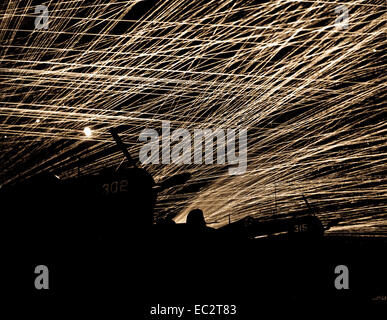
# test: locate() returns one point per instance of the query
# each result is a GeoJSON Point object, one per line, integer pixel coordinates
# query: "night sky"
{"type": "Point", "coordinates": [308, 83]}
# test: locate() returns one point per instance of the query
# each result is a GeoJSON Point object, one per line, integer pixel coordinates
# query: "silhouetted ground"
{"type": "Point", "coordinates": [275, 274]}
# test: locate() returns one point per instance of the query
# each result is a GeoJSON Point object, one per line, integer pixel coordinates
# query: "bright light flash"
{"type": "Point", "coordinates": [87, 132]}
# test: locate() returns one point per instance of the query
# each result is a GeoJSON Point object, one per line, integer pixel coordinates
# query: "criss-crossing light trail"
{"type": "Point", "coordinates": [310, 94]}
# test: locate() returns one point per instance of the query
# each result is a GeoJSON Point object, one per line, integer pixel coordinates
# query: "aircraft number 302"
{"type": "Point", "coordinates": [115, 187]}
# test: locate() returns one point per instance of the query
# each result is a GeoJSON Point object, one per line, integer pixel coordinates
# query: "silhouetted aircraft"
{"type": "Point", "coordinates": [304, 225]}
{"type": "Point", "coordinates": [118, 204]}
{"type": "Point", "coordinates": [110, 205]}
{"type": "Point", "coordinates": [97, 235]}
